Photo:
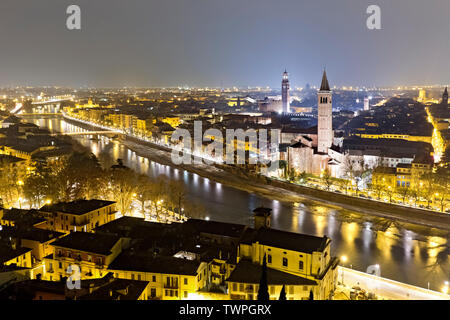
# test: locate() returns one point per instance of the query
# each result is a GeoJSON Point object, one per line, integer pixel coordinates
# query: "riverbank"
{"type": "Point", "coordinates": [284, 191]}
{"type": "Point", "coordinates": [287, 192]}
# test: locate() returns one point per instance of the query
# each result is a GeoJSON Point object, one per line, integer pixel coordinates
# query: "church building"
{"type": "Point", "coordinates": [312, 149]}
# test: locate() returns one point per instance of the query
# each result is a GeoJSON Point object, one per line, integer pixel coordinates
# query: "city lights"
{"type": "Point", "coordinates": [210, 151]}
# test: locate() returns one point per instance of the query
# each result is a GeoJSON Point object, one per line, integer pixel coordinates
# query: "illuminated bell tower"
{"type": "Point", "coordinates": [285, 91]}
{"type": "Point", "coordinates": [325, 116]}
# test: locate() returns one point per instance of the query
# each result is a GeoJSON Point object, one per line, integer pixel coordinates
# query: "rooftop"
{"type": "Point", "coordinates": [285, 240]}
{"type": "Point", "coordinates": [8, 253]}
{"type": "Point", "coordinates": [117, 289]}
{"type": "Point", "coordinates": [22, 216]}
{"type": "Point", "coordinates": [248, 272]}
{"type": "Point", "coordinates": [31, 233]}
{"type": "Point", "coordinates": [214, 227]}
{"type": "Point", "coordinates": [147, 262]}
{"type": "Point", "coordinates": [88, 242]}
{"type": "Point", "coordinates": [78, 207]}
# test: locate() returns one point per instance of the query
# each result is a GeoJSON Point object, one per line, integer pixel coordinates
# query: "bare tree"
{"type": "Point", "coordinates": [326, 178]}
{"type": "Point", "coordinates": [403, 192]}
{"type": "Point", "coordinates": [144, 191]}
{"type": "Point", "coordinates": [123, 186]}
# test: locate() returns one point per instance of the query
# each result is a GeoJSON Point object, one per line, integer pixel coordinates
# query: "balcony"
{"type": "Point", "coordinates": [171, 285]}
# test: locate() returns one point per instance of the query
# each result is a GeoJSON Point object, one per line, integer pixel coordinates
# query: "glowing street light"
{"type": "Point", "coordinates": [344, 259]}
{"type": "Point", "coordinates": [445, 288]}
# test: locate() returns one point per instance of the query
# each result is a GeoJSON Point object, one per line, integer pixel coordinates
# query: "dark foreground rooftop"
{"type": "Point", "coordinates": [248, 272]}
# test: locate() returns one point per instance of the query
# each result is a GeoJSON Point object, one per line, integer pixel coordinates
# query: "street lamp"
{"type": "Point", "coordinates": [344, 260]}
{"type": "Point", "coordinates": [445, 288]}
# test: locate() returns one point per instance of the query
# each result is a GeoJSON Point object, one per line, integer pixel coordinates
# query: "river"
{"type": "Point", "coordinates": [408, 253]}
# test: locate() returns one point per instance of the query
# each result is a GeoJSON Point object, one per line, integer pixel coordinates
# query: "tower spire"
{"type": "Point", "coordinates": [324, 85]}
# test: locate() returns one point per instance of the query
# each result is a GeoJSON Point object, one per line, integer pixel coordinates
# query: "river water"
{"type": "Point", "coordinates": [412, 254]}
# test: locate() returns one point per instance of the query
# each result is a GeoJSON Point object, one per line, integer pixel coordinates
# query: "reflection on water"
{"type": "Point", "coordinates": [411, 254]}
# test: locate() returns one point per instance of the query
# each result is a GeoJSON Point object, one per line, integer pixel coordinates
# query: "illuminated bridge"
{"type": "Point", "coordinates": [86, 133]}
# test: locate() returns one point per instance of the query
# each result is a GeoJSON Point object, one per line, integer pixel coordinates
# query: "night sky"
{"type": "Point", "coordinates": [159, 43]}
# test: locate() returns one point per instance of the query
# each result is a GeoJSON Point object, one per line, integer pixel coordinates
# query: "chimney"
{"type": "Point", "coordinates": [262, 217]}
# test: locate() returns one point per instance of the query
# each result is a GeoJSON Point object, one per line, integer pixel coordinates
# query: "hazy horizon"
{"type": "Point", "coordinates": [218, 43]}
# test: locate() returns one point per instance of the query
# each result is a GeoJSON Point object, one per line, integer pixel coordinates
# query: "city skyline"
{"type": "Point", "coordinates": [230, 150]}
{"type": "Point", "coordinates": [218, 44]}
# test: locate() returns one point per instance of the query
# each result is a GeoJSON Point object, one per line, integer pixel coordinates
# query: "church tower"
{"type": "Point", "coordinates": [325, 116]}
{"type": "Point", "coordinates": [445, 97]}
{"type": "Point", "coordinates": [285, 92]}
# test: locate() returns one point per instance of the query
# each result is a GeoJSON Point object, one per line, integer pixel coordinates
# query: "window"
{"type": "Point", "coordinates": [241, 287]}
{"type": "Point", "coordinates": [235, 287]}
{"type": "Point", "coordinates": [269, 258]}
{"type": "Point", "coordinates": [185, 294]}
{"type": "Point", "coordinates": [185, 281]}
{"type": "Point", "coordinates": [272, 290]}
{"type": "Point", "coordinates": [154, 278]}
{"type": "Point", "coordinates": [153, 292]}
{"type": "Point", "coordinates": [291, 289]}
{"type": "Point", "coordinates": [300, 265]}
{"type": "Point", "coordinates": [285, 262]}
